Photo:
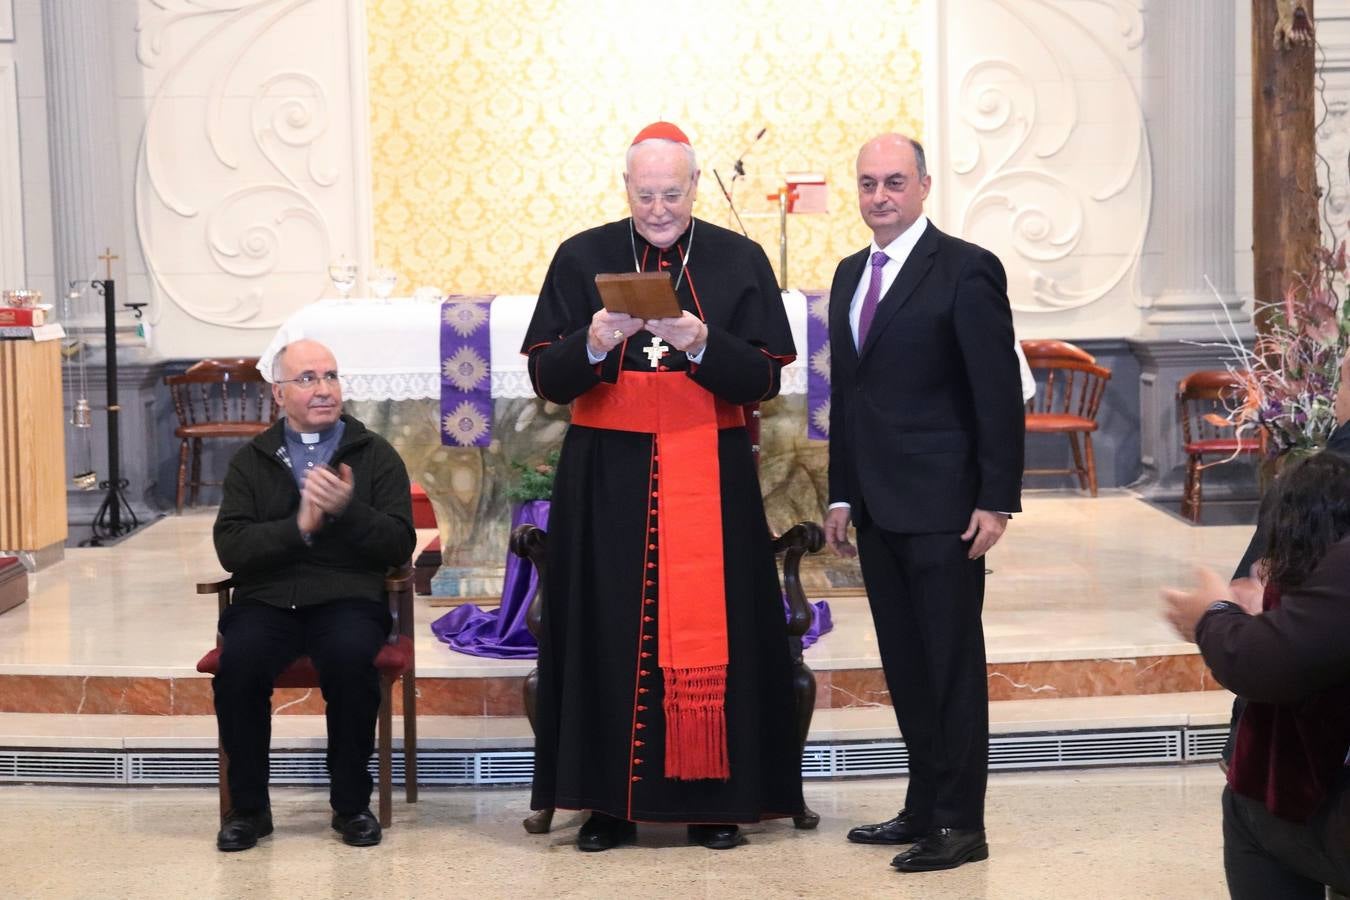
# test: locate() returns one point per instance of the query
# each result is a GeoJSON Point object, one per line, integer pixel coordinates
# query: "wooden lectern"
{"type": "Point", "coordinates": [32, 446]}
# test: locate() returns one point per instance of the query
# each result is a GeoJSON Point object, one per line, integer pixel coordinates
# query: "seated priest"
{"type": "Point", "coordinates": [665, 688]}
{"type": "Point", "coordinates": [315, 510]}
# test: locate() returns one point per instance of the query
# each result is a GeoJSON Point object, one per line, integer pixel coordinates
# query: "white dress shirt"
{"type": "Point", "coordinates": [897, 251]}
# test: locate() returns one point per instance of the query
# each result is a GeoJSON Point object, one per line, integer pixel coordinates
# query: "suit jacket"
{"type": "Point", "coordinates": [926, 419]}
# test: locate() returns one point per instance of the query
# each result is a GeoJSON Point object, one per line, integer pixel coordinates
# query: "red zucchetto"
{"type": "Point", "coordinates": [661, 131]}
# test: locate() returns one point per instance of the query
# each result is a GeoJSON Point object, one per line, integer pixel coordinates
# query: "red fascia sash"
{"type": "Point", "coordinates": [684, 419]}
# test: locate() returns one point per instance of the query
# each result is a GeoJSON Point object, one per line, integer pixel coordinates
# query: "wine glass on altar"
{"type": "Point", "coordinates": [342, 272]}
{"type": "Point", "coordinates": [382, 282]}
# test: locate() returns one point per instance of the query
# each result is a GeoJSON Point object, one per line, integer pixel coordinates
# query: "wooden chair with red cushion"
{"type": "Point", "coordinates": [1204, 400]}
{"type": "Point", "coordinates": [214, 399]}
{"type": "Point", "coordinates": [394, 661]}
{"type": "Point", "coordinates": [1066, 403]}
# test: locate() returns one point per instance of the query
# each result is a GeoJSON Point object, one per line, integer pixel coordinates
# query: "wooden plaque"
{"type": "Point", "coordinates": [645, 295]}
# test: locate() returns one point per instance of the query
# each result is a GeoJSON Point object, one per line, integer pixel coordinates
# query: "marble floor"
{"type": "Point", "coordinates": [1074, 578]}
{"type": "Point", "coordinates": [1136, 833]}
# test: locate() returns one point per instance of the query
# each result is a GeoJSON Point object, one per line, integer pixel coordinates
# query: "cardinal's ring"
{"type": "Point", "coordinates": [617, 334]}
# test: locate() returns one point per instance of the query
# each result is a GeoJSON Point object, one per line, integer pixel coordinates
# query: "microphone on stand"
{"type": "Point", "coordinates": [739, 169]}
{"type": "Point", "coordinates": [740, 164]}
{"type": "Point", "coordinates": [727, 194]}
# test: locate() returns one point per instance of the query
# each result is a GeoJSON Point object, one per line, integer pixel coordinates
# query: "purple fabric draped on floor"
{"type": "Point", "coordinates": [821, 623]}
{"type": "Point", "coordinates": [501, 633]}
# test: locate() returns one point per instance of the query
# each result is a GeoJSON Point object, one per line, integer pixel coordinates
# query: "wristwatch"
{"type": "Point", "coordinates": [1219, 605]}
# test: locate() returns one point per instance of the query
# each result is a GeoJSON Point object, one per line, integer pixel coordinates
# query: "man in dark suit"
{"type": "Point", "coordinates": [926, 435]}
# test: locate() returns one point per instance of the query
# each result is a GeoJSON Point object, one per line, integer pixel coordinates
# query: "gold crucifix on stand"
{"type": "Point", "coordinates": [108, 257]}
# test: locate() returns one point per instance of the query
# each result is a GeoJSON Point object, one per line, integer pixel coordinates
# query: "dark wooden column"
{"type": "Point", "coordinates": [1286, 230]}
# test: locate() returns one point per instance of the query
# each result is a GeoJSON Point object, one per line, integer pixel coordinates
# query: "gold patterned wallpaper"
{"type": "Point", "coordinates": [499, 128]}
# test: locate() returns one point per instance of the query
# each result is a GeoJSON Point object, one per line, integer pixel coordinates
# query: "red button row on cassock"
{"type": "Point", "coordinates": [649, 589]}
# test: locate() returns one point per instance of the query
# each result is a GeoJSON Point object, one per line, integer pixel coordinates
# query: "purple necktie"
{"type": "Point", "coordinates": [871, 298]}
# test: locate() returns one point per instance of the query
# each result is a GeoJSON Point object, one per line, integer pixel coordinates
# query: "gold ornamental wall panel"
{"type": "Point", "coordinates": [499, 128]}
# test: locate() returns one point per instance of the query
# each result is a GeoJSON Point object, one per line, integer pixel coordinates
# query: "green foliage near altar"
{"type": "Point", "coordinates": [533, 481]}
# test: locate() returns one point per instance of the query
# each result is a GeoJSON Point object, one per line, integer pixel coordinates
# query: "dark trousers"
{"type": "Point", "coordinates": [926, 600]}
{"type": "Point", "coordinates": [260, 641]}
{"type": "Point", "coordinates": [1265, 856]}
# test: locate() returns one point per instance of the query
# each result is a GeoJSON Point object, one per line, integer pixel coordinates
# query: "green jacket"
{"type": "Point", "coordinates": [259, 542]}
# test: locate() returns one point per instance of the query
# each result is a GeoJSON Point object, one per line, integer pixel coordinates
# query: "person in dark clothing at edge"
{"type": "Point", "coordinates": [1283, 648]}
{"type": "Point", "coordinates": [315, 510]}
{"type": "Point", "coordinates": [1338, 442]}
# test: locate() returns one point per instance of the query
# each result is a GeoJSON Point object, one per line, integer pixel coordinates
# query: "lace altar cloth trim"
{"type": "Point", "coordinates": [390, 349]}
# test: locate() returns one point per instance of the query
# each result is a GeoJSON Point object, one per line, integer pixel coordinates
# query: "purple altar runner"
{"type": "Point", "coordinates": [818, 365]}
{"type": "Point", "coordinates": [466, 371]}
{"type": "Point", "coordinates": [501, 633]}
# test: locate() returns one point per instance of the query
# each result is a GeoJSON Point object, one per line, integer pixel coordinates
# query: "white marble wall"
{"type": "Point", "coordinates": [1040, 152]}
{"type": "Point", "coordinates": [25, 180]}
{"type": "Point", "coordinates": [244, 139]}
{"type": "Point", "coordinates": [1333, 135]}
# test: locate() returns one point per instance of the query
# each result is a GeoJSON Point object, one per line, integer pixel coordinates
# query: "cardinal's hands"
{"type": "Point", "coordinates": [608, 330]}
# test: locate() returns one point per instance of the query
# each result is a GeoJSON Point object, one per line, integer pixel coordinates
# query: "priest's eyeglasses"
{"type": "Point", "coordinates": [310, 380]}
{"type": "Point", "coordinates": [669, 198]}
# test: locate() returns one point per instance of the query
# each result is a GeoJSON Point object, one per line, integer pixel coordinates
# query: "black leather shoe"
{"type": "Point", "coordinates": [903, 829]}
{"type": "Point", "coordinates": [359, 829]}
{"type": "Point", "coordinates": [943, 848]}
{"type": "Point", "coordinates": [242, 828]}
{"type": "Point", "coordinates": [603, 832]}
{"type": "Point", "coordinates": [716, 837]}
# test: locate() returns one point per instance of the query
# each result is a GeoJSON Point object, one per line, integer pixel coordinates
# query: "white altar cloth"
{"type": "Point", "coordinates": [391, 349]}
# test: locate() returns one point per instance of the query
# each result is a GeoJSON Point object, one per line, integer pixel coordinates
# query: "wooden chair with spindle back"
{"type": "Point", "coordinates": [215, 399]}
{"type": "Point", "coordinates": [1066, 402]}
{"type": "Point", "coordinates": [1204, 398]}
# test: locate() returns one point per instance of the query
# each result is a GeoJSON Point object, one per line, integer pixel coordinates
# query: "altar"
{"type": "Point", "coordinates": [389, 355]}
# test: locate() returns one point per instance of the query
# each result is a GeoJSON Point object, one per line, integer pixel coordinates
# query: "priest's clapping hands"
{"type": "Point", "coordinates": [687, 334]}
{"type": "Point", "coordinates": [326, 492]}
{"type": "Point", "coordinates": [608, 330]}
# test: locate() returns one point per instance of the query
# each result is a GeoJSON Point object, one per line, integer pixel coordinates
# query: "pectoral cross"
{"type": "Point", "coordinates": [656, 351]}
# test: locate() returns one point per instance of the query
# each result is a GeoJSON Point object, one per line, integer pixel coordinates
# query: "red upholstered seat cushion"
{"type": "Point", "coordinates": [392, 661]}
{"type": "Point", "coordinates": [1223, 445]}
{"type": "Point", "coordinates": [7, 561]}
{"type": "Point", "coordinates": [423, 514]}
{"type": "Point", "coordinates": [1055, 423]}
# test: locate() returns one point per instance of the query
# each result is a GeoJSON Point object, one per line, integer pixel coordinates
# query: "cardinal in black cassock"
{"type": "Point", "coordinates": [664, 678]}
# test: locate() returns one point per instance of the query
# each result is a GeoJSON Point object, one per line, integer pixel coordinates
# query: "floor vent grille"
{"type": "Point", "coordinates": [1206, 743]}
{"type": "Point", "coordinates": [63, 766]}
{"type": "Point", "coordinates": [469, 768]}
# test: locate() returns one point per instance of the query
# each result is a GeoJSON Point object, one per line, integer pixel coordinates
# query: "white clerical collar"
{"type": "Point", "coordinates": [310, 437]}
{"type": "Point", "coordinates": [900, 248]}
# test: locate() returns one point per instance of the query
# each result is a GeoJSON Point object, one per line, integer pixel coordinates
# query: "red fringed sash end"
{"type": "Point", "coordinates": [696, 723]}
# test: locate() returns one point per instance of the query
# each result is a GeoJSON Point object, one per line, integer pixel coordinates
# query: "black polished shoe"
{"type": "Point", "coordinates": [943, 848]}
{"type": "Point", "coordinates": [360, 829]}
{"type": "Point", "coordinates": [716, 837]}
{"type": "Point", "coordinates": [604, 832]}
{"type": "Point", "coordinates": [903, 829]}
{"type": "Point", "coordinates": [242, 828]}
